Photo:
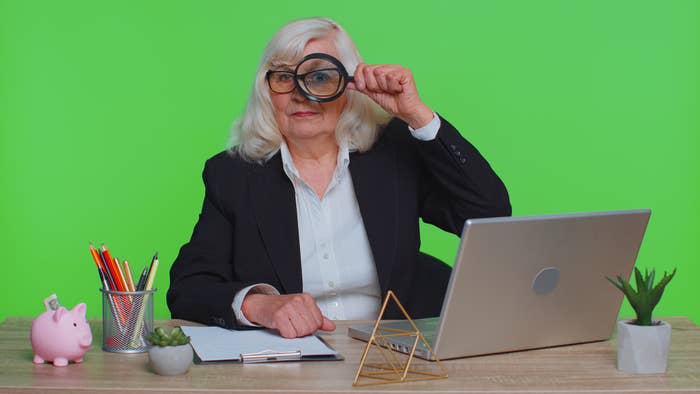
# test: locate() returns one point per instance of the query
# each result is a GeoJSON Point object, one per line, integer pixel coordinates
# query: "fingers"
{"type": "Point", "coordinates": [393, 88]}
{"type": "Point", "coordinates": [370, 79]}
{"type": "Point", "coordinates": [380, 78]}
{"type": "Point", "coordinates": [327, 325]}
{"type": "Point", "coordinates": [284, 326]}
{"type": "Point", "coordinates": [291, 318]}
{"type": "Point", "coordinates": [314, 311]}
{"type": "Point", "coordinates": [295, 315]}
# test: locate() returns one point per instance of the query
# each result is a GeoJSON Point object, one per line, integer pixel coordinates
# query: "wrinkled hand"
{"type": "Point", "coordinates": [393, 88]}
{"type": "Point", "coordinates": [293, 315]}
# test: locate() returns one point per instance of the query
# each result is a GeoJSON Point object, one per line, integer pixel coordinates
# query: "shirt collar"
{"type": "Point", "coordinates": [341, 166]}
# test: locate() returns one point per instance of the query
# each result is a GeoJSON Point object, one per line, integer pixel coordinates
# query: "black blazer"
{"type": "Point", "coordinates": [247, 231]}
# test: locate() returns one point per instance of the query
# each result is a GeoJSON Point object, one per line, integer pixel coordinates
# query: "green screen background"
{"type": "Point", "coordinates": [108, 111]}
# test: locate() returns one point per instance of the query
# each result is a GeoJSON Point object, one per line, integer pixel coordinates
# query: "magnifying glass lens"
{"type": "Point", "coordinates": [320, 78]}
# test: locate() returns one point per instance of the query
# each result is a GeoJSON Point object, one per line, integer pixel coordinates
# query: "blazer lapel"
{"type": "Point", "coordinates": [274, 207]}
{"type": "Point", "coordinates": [376, 189]}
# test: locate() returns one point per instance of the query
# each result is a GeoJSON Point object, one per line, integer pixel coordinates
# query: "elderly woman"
{"type": "Point", "coordinates": [313, 216]}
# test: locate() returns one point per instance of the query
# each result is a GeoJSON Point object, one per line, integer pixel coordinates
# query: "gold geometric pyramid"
{"type": "Point", "coordinates": [397, 367]}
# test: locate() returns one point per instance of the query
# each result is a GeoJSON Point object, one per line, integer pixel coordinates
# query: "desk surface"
{"type": "Point", "coordinates": [587, 368]}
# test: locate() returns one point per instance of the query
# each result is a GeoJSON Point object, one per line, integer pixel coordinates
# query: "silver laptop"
{"type": "Point", "coordinates": [530, 282]}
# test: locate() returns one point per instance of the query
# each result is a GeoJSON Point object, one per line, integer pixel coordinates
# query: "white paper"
{"type": "Point", "coordinates": [219, 344]}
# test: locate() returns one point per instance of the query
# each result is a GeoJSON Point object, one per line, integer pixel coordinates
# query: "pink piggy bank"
{"type": "Point", "coordinates": [60, 336]}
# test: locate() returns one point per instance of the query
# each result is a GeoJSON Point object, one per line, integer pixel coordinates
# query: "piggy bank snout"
{"type": "Point", "coordinates": [85, 341]}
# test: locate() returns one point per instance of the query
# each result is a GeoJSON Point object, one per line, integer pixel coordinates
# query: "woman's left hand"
{"type": "Point", "coordinates": [393, 88]}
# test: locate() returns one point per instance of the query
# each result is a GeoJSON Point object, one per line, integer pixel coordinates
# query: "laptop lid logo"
{"type": "Point", "coordinates": [546, 281]}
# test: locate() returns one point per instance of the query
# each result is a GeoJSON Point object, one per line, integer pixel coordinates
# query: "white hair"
{"type": "Point", "coordinates": [256, 132]}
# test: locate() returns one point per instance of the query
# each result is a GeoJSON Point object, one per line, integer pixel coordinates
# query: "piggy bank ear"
{"type": "Point", "coordinates": [80, 309]}
{"type": "Point", "coordinates": [59, 313]}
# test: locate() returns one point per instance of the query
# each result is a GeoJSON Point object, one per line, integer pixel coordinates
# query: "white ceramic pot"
{"type": "Point", "coordinates": [170, 360]}
{"type": "Point", "coordinates": [642, 349]}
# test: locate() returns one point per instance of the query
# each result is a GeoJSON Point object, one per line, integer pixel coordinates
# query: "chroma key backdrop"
{"type": "Point", "coordinates": [108, 111]}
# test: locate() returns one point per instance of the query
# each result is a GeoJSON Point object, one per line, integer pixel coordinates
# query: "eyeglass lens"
{"type": "Point", "coordinates": [281, 81]}
{"type": "Point", "coordinates": [319, 77]}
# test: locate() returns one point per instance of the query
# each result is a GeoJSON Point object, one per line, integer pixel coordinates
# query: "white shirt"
{"type": "Point", "coordinates": [337, 265]}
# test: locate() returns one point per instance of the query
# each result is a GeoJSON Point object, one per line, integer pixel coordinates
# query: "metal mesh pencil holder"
{"type": "Point", "coordinates": [127, 316]}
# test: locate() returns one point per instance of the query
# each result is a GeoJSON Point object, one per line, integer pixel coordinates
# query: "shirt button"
{"type": "Point", "coordinates": [458, 153]}
{"type": "Point", "coordinates": [331, 283]}
{"type": "Point", "coordinates": [453, 147]}
{"type": "Point", "coordinates": [463, 160]}
{"type": "Point", "coordinates": [325, 256]}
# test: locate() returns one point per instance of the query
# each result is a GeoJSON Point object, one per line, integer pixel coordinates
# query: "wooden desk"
{"type": "Point", "coordinates": [588, 368]}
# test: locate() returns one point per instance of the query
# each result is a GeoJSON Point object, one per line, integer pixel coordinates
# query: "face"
{"type": "Point", "coordinates": [300, 119]}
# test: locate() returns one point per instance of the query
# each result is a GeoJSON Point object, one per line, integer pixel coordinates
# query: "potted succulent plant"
{"type": "Point", "coordinates": [642, 344]}
{"type": "Point", "coordinates": [170, 352]}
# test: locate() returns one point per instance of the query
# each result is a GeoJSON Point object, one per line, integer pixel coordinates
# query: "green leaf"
{"type": "Point", "coordinates": [639, 279]}
{"type": "Point", "coordinates": [658, 290]}
{"type": "Point", "coordinates": [616, 284]}
{"type": "Point", "coordinates": [645, 298]}
{"type": "Point", "coordinates": [650, 281]}
{"type": "Point", "coordinates": [160, 331]}
{"type": "Point", "coordinates": [161, 337]}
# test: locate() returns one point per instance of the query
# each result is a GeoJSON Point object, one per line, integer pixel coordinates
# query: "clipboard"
{"type": "Point", "coordinates": [214, 345]}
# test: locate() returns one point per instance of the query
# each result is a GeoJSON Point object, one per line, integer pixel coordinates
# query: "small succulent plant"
{"type": "Point", "coordinates": [160, 337]}
{"type": "Point", "coordinates": [647, 296]}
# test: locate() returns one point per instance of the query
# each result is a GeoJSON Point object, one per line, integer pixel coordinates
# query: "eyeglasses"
{"type": "Point", "coordinates": [319, 77]}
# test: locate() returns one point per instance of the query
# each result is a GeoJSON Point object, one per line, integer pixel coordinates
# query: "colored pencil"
{"type": "Point", "coordinates": [113, 269]}
{"type": "Point", "coordinates": [127, 275]}
{"type": "Point", "coordinates": [121, 274]}
{"type": "Point", "coordinates": [104, 272]}
{"type": "Point", "coordinates": [152, 272]}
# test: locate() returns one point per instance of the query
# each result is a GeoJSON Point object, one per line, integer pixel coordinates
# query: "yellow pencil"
{"type": "Point", "coordinates": [121, 273]}
{"type": "Point", "coordinates": [152, 273]}
{"type": "Point", "coordinates": [128, 278]}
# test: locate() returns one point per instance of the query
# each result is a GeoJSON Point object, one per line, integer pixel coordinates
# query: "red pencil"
{"type": "Point", "coordinates": [101, 267]}
{"type": "Point", "coordinates": [113, 269]}
{"type": "Point", "coordinates": [108, 284]}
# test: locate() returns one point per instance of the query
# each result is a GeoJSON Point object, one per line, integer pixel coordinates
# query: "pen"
{"type": "Point", "coordinates": [129, 279]}
{"type": "Point", "coordinates": [142, 279]}
{"type": "Point", "coordinates": [148, 272]}
{"type": "Point", "coordinates": [103, 280]}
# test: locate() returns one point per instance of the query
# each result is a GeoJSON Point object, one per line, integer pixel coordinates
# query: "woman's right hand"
{"type": "Point", "coordinates": [293, 315]}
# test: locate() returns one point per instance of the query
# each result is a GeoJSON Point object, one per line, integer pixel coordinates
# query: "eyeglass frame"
{"type": "Point", "coordinates": [345, 77]}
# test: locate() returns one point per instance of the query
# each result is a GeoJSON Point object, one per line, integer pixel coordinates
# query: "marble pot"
{"type": "Point", "coordinates": [170, 360]}
{"type": "Point", "coordinates": [643, 349]}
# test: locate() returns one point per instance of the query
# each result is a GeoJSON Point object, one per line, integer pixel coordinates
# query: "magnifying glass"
{"type": "Point", "coordinates": [319, 77]}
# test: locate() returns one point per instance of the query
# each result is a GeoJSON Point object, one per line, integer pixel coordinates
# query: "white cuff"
{"type": "Point", "coordinates": [427, 132]}
{"type": "Point", "coordinates": [237, 305]}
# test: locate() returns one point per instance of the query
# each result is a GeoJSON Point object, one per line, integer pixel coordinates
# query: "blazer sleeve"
{"type": "Point", "coordinates": [456, 182]}
{"type": "Point", "coordinates": [202, 287]}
